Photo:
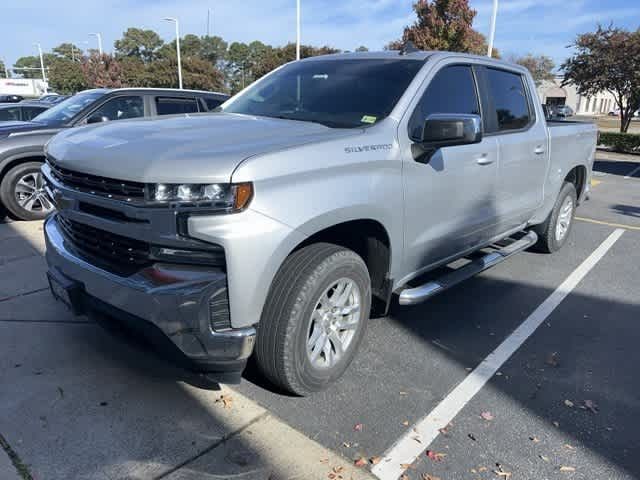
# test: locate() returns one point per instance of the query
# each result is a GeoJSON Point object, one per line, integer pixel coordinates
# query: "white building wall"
{"type": "Point", "coordinates": [600, 104]}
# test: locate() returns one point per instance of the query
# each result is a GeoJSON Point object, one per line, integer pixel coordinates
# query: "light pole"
{"type": "Point", "coordinates": [175, 20]}
{"type": "Point", "coordinates": [44, 77]}
{"type": "Point", "coordinates": [492, 28]}
{"type": "Point", "coordinates": [99, 37]}
{"type": "Point", "coordinates": [297, 29]}
{"type": "Point", "coordinates": [208, 22]}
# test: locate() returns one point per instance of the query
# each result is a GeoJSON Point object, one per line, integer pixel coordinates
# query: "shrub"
{"type": "Point", "coordinates": [621, 142]}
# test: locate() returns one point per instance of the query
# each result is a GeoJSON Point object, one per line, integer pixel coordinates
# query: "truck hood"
{"type": "Point", "coordinates": [203, 148]}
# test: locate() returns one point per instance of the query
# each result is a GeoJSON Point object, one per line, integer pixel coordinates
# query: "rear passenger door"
{"type": "Point", "coordinates": [522, 142]}
{"type": "Point", "coordinates": [175, 105]}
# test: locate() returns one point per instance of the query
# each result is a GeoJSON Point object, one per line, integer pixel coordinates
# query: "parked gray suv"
{"type": "Point", "coordinates": [22, 142]}
{"type": "Point", "coordinates": [281, 224]}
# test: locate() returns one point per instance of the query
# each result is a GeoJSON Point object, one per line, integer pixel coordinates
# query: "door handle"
{"type": "Point", "coordinates": [484, 159]}
{"type": "Point", "coordinates": [539, 150]}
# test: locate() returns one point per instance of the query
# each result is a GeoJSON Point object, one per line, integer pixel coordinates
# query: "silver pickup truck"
{"type": "Point", "coordinates": [278, 225]}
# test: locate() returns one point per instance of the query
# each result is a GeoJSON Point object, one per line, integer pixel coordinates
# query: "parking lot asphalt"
{"type": "Point", "coordinates": [78, 402]}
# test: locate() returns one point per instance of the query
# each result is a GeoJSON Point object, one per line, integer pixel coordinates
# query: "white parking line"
{"type": "Point", "coordinates": [406, 450]}
{"type": "Point", "coordinates": [632, 173]}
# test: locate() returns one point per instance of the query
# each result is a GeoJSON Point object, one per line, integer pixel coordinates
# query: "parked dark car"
{"type": "Point", "coordinates": [22, 143]}
{"type": "Point", "coordinates": [10, 98]}
{"type": "Point", "coordinates": [23, 111]}
{"type": "Point", "coordinates": [563, 111]}
{"type": "Point", "coordinates": [53, 99]}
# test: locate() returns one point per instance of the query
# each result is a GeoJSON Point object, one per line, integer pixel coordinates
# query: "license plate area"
{"type": "Point", "coordinates": [66, 291]}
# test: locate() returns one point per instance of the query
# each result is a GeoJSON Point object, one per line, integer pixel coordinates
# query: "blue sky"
{"type": "Point", "coordinates": [537, 26]}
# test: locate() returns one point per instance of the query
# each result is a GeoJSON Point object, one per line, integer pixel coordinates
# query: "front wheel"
{"type": "Point", "coordinates": [553, 233]}
{"type": "Point", "coordinates": [314, 318]}
{"type": "Point", "coordinates": [22, 192]}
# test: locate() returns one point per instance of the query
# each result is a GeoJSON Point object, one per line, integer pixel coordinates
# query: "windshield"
{"type": "Point", "coordinates": [335, 93]}
{"type": "Point", "coordinates": [64, 111]}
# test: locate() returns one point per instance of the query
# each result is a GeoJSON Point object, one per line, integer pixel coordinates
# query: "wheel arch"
{"type": "Point", "coordinates": [578, 177]}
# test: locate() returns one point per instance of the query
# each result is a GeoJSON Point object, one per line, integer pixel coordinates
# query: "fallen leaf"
{"type": "Point", "coordinates": [482, 469]}
{"type": "Point", "coordinates": [405, 423]}
{"type": "Point", "coordinates": [569, 447]}
{"type": "Point", "coordinates": [473, 470]}
{"type": "Point", "coordinates": [357, 427]}
{"type": "Point", "coordinates": [375, 460]}
{"type": "Point", "coordinates": [591, 406]}
{"type": "Point", "coordinates": [499, 471]}
{"type": "Point", "coordinates": [404, 393]}
{"type": "Point", "coordinates": [556, 424]}
{"type": "Point", "coordinates": [487, 416]}
{"type": "Point", "coordinates": [61, 392]}
{"type": "Point", "coordinates": [324, 460]}
{"type": "Point", "coordinates": [406, 466]}
{"type": "Point", "coordinates": [567, 469]}
{"type": "Point", "coordinates": [534, 439]}
{"type": "Point", "coordinates": [426, 476]}
{"type": "Point", "coordinates": [443, 430]}
{"type": "Point", "coordinates": [471, 436]}
{"type": "Point", "coordinates": [417, 439]}
{"type": "Point", "coordinates": [226, 400]}
{"type": "Point", "coordinates": [546, 459]}
{"type": "Point", "coordinates": [568, 403]}
{"type": "Point", "coordinates": [436, 457]}
{"type": "Point", "coordinates": [346, 444]}
{"type": "Point", "coordinates": [404, 477]}
{"type": "Point", "coordinates": [361, 462]}
{"type": "Point", "coordinates": [553, 359]}
{"type": "Point", "coordinates": [338, 469]}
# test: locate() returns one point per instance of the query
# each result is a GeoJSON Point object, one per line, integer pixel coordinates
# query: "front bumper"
{"type": "Point", "coordinates": [168, 303]}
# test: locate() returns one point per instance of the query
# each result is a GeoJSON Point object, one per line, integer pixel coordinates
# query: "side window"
{"type": "Point", "coordinates": [176, 105]}
{"type": "Point", "coordinates": [212, 103]}
{"type": "Point", "coordinates": [10, 114]}
{"type": "Point", "coordinates": [29, 113]}
{"type": "Point", "coordinates": [509, 99]}
{"type": "Point", "coordinates": [121, 108]}
{"type": "Point", "coordinates": [452, 90]}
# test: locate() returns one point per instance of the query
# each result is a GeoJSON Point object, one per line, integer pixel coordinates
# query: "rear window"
{"type": "Point", "coordinates": [175, 105]}
{"type": "Point", "coordinates": [9, 114]}
{"type": "Point", "coordinates": [509, 99]}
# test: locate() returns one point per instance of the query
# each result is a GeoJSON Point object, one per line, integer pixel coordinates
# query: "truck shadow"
{"type": "Point", "coordinates": [613, 167]}
{"type": "Point", "coordinates": [629, 210]}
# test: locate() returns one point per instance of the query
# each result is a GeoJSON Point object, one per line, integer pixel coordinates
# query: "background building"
{"type": "Point", "coordinates": [553, 93]}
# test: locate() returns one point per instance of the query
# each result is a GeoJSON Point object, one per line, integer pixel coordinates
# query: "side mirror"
{"type": "Point", "coordinates": [97, 119]}
{"type": "Point", "coordinates": [447, 130]}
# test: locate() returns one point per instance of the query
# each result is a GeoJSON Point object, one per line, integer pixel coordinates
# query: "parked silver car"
{"type": "Point", "coordinates": [278, 225]}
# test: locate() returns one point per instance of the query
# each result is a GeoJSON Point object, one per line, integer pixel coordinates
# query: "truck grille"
{"type": "Point", "coordinates": [112, 252]}
{"type": "Point", "coordinates": [95, 184]}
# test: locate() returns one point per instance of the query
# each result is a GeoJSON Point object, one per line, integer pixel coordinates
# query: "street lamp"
{"type": "Point", "coordinates": [44, 77]}
{"type": "Point", "coordinates": [297, 29]}
{"type": "Point", "coordinates": [208, 22]}
{"type": "Point", "coordinates": [175, 20]}
{"type": "Point", "coordinates": [492, 28]}
{"type": "Point", "coordinates": [99, 37]}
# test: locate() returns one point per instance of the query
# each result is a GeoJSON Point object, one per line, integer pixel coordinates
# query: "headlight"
{"type": "Point", "coordinates": [218, 196]}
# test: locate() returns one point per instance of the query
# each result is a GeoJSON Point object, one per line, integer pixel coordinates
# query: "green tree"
{"type": "Point", "coordinates": [68, 51]}
{"type": "Point", "coordinates": [67, 76]}
{"type": "Point", "coordinates": [540, 66]}
{"type": "Point", "coordinates": [443, 25]}
{"type": "Point", "coordinates": [607, 59]}
{"type": "Point", "coordinates": [138, 43]}
{"type": "Point", "coordinates": [103, 71]}
{"type": "Point", "coordinates": [2, 70]}
{"type": "Point", "coordinates": [362, 49]}
{"type": "Point", "coordinates": [213, 49]}
{"type": "Point", "coordinates": [32, 64]}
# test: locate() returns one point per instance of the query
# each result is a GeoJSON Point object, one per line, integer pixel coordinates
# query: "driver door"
{"type": "Point", "coordinates": [450, 199]}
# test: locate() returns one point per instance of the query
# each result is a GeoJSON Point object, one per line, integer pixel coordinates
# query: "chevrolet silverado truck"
{"type": "Point", "coordinates": [22, 142]}
{"type": "Point", "coordinates": [279, 225]}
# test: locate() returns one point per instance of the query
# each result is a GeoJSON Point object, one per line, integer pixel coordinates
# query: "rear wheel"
{"type": "Point", "coordinates": [553, 233]}
{"type": "Point", "coordinates": [314, 318]}
{"type": "Point", "coordinates": [22, 192]}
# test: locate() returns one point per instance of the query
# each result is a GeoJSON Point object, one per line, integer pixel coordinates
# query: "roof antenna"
{"type": "Point", "coordinates": [408, 47]}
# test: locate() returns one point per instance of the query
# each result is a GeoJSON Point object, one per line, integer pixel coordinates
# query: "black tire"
{"type": "Point", "coordinates": [547, 239]}
{"type": "Point", "coordinates": [283, 332]}
{"type": "Point", "coordinates": [8, 193]}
